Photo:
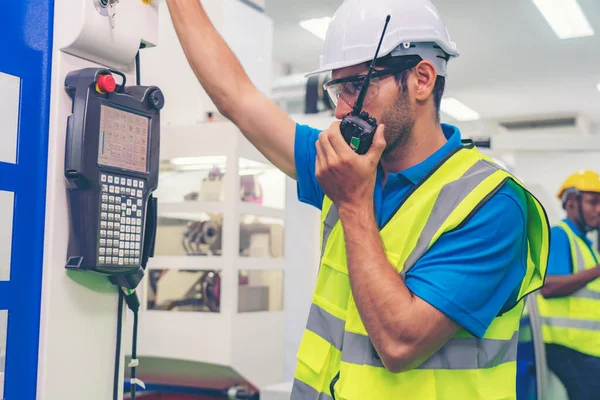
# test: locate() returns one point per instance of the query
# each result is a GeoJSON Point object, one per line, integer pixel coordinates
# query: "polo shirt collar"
{"type": "Point", "coordinates": [577, 231]}
{"type": "Point", "coordinates": [417, 172]}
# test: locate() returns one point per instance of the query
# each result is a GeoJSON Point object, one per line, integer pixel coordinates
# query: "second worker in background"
{"type": "Point", "coordinates": [570, 301]}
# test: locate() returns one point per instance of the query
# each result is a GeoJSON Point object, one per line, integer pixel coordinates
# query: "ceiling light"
{"type": "Point", "coordinates": [598, 86]}
{"type": "Point", "coordinates": [317, 26]}
{"type": "Point", "coordinates": [199, 161]}
{"type": "Point", "coordinates": [565, 17]}
{"type": "Point", "coordinates": [458, 110]}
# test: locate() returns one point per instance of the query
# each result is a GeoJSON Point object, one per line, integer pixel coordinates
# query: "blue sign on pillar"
{"type": "Point", "coordinates": [25, 58]}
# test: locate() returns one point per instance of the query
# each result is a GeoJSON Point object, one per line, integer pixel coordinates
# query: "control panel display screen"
{"type": "Point", "coordinates": [123, 139]}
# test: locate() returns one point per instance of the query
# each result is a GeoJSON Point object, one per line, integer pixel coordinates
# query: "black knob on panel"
{"type": "Point", "coordinates": [156, 99]}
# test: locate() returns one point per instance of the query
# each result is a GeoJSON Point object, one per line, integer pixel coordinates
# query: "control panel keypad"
{"type": "Point", "coordinates": [121, 216]}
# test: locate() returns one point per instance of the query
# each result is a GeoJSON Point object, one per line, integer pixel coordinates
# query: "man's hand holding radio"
{"type": "Point", "coordinates": [347, 178]}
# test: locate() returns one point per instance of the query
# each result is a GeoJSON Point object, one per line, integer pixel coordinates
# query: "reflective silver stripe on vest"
{"type": "Point", "coordinates": [302, 391]}
{"type": "Point", "coordinates": [451, 195]}
{"type": "Point", "coordinates": [579, 266]}
{"type": "Point", "coordinates": [580, 263]}
{"type": "Point", "coordinates": [586, 294]}
{"type": "Point", "coordinates": [457, 353]}
{"type": "Point", "coordinates": [326, 326]}
{"type": "Point", "coordinates": [330, 220]}
{"type": "Point", "coordinates": [561, 322]}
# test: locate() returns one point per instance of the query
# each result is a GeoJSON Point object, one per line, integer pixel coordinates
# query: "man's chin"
{"type": "Point", "coordinates": [595, 225]}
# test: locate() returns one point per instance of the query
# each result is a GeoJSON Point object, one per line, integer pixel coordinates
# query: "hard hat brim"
{"type": "Point", "coordinates": [345, 64]}
{"type": "Point", "coordinates": [333, 67]}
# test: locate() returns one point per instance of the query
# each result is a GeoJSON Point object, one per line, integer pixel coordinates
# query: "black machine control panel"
{"type": "Point", "coordinates": [122, 210]}
{"type": "Point", "coordinates": [111, 165]}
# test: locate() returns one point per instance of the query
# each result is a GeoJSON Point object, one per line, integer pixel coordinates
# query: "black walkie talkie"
{"type": "Point", "coordinates": [357, 127]}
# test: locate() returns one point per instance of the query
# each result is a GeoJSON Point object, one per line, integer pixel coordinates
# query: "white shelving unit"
{"type": "Point", "coordinates": [241, 340]}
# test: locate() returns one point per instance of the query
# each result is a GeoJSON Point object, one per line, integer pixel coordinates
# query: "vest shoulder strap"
{"type": "Point", "coordinates": [577, 258]}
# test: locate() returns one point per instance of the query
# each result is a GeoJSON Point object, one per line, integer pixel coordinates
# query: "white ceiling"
{"type": "Point", "coordinates": [512, 64]}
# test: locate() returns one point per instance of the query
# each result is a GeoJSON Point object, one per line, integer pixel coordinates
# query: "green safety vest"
{"type": "Point", "coordinates": [336, 344]}
{"type": "Point", "coordinates": [574, 321]}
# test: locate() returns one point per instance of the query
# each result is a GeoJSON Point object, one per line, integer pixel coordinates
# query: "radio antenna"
{"type": "Point", "coordinates": [363, 92]}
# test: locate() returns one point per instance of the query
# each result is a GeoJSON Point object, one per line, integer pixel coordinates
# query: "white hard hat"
{"type": "Point", "coordinates": [415, 27]}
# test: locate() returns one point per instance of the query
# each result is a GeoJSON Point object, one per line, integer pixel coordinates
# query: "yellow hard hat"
{"type": "Point", "coordinates": [583, 181]}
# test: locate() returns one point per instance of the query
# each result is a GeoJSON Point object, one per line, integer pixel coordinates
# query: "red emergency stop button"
{"type": "Point", "coordinates": [106, 84]}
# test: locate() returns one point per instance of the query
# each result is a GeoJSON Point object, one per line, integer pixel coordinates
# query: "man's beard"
{"type": "Point", "coordinates": [399, 121]}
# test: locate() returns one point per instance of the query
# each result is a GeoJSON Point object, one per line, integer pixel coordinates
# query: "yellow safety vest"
{"type": "Point", "coordinates": [574, 321]}
{"type": "Point", "coordinates": [336, 351]}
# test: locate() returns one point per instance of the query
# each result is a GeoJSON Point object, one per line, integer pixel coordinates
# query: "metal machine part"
{"type": "Point", "coordinates": [202, 238]}
{"type": "Point", "coordinates": [185, 290]}
{"type": "Point", "coordinates": [101, 7]}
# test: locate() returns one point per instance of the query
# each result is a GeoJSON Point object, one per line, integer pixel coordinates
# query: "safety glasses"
{"type": "Point", "coordinates": [349, 88]}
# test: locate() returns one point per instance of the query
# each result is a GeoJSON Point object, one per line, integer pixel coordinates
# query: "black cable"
{"type": "Point", "coordinates": [137, 69]}
{"type": "Point", "coordinates": [118, 350]}
{"type": "Point", "coordinates": [138, 75]}
{"type": "Point", "coordinates": [134, 352]}
{"type": "Point", "coordinates": [332, 384]}
{"type": "Point", "coordinates": [133, 303]}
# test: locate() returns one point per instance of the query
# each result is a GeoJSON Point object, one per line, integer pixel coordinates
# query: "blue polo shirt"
{"type": "Point", "coordinates": [470, 274]}
{"type": "Point", "coordinates": [560, 261]}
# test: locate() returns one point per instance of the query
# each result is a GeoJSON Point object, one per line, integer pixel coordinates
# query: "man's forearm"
{"type": "Point", "coordinates": [402, 337]}
{"type": "Point", "coordinates": [215, 65]}
{"type": "Point", "coordinates": [561, 286]}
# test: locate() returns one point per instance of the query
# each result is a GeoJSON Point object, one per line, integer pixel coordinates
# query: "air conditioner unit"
{"type": "Point", "coordinates": [563, 124]}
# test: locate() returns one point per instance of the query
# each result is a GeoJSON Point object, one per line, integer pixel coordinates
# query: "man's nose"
{"type": "Point", "coordinates": [342, 108]}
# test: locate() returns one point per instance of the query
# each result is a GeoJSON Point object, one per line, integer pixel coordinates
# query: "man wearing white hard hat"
{"type": "Point", "coordinates": [428, 247]}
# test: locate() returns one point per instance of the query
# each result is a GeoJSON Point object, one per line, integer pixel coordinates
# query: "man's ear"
{"type": "Point", "coordinates": [571, 201]}
{"type": "Point", "coordinates": [425, 80]}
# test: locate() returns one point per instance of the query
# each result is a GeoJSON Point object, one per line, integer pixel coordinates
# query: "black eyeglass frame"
{"type": "Point", "coordinates": [409, 62]}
